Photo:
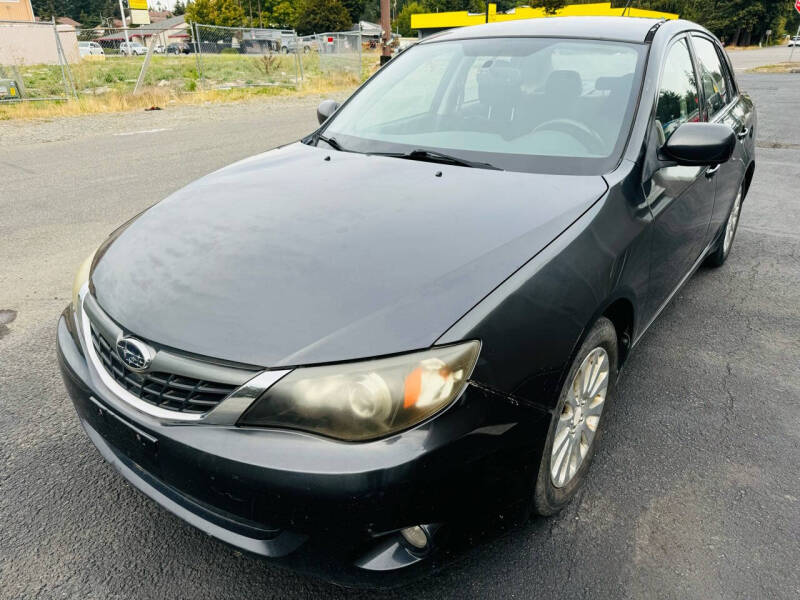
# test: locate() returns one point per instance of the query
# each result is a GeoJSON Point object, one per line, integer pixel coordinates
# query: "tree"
{"type": "Point", "coordinates": [180, 8]}
{"type": "Point", "coordinates": [229, 13]}
{"type": "Point", "coordinates": [355, 8]}
{"type": "Point", "coordinates": [201, 11]}
{"type": "Point", "coordinates": [372, 11]}
{"type": "Point", "coordinates": [284, 15]}
{"type": "Point", "coordinates": [319, 16]}
{"type": "Point", "coordinates": [550, 7]}
{"type": "Point", "coordinates": [403, 21]}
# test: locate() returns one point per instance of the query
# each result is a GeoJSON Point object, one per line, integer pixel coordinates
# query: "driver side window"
{"type": "Point", "coordinates": [678, 100]}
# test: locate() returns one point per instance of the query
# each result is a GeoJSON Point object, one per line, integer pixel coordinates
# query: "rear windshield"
{"type": "Point", "coordinates": [525, 104]}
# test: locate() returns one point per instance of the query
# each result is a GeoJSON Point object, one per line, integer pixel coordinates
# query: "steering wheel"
{"type": "Point", "coordinates": [586, 137]}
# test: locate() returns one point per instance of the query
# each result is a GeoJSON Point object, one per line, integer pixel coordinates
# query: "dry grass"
{"type": "Point", "coordinates": [120, 102]}
{"type": "Point", "coordinates": [785, 67]}
{"type": "Point", "coordinates": [120, 99]}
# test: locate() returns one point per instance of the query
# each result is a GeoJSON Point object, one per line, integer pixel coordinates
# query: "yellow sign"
{"type": "Point", "coordinates": [138, 4]}
{"type": "Point", "coordinates": [444, 20]}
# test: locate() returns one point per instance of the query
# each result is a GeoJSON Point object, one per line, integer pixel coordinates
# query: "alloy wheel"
{"type": "Point", "coordinates": [580, 417]}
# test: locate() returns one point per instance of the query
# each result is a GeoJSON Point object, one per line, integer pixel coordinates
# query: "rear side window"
{"type": "Point", "coordinates": [677, 96]}
{"type": "Point", "coordinates": [716, 90]}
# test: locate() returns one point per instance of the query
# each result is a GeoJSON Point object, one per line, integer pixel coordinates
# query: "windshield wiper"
{"type": "Point", "coordinates": [331, 142]}
{"type": "Point", "coordinates": [439, 157]}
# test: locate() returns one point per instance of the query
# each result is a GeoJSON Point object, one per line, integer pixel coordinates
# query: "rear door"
{"type": "Point", "coordinates": [681, 198]}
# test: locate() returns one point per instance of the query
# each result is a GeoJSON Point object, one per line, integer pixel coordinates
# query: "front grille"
{"type": "Point", "coordinates": [166, 390]}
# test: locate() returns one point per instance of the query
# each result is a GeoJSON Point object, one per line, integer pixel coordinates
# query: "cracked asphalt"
{"type": "Point", "coordinates": [695, 492]}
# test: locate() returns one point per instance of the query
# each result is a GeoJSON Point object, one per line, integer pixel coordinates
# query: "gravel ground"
{"type": "Point", "coordinates": [14, 133]}
{"type": "Point", "coordinates": [694, 492]}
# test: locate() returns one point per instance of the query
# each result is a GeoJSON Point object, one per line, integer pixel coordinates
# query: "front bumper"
{"type": "Point", "coordinates": [317, 504]}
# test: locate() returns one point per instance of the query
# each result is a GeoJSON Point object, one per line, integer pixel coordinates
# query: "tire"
{"type": "Point", "coordinates": [722, 250]}
{"type": "Point", "coordinates": [554, 491]}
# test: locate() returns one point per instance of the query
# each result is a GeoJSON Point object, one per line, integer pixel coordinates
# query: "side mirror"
{"type": "Point", "coordinates": [700, 144]}
{"type": "Point", "coordinates": [325, 109]}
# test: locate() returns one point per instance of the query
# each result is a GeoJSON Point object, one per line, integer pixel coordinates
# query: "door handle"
{"type": "Point", "coordinates": [711, 171]}
{"type": "Point", "coordinates": [742, 132]}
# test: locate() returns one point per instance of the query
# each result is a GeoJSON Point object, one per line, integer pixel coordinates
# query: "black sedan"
{"type": "Point", "coordinates": [178, 48]}
{"type": "Point", "coordinates": [347, 352]}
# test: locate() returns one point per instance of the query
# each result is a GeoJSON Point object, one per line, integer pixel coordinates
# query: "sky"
{"type": "Point", "coordinates": [165, 4]}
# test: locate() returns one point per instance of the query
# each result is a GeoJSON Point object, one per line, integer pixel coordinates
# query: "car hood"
{"type": "Point", "coordinates": [302, 255]}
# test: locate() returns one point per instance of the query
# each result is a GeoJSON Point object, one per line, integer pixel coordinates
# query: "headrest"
{"type": "Point", "coordinates": [563, 84]}
{"type": "Point", "coordinates": [498, 81]}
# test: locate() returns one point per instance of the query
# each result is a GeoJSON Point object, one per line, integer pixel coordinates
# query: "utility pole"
{"type": "Point", "coordinates": [124, 24]}
{"type": "Point", "coordinates": [386, 32]}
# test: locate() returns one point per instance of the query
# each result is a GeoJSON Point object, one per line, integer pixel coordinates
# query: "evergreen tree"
{"type": "Point", "coordinates": [403, 21]}
{"type": "Point", "coordinates": [229, 13]}
{"type": "Point", "coordinates": [355, 8]}
{"type": "Point", "coordinates": [201, 11]}
{"type": "Point", "coordinates": [319, 16]}
{"type": "Point", "coordinates": [283, 15]}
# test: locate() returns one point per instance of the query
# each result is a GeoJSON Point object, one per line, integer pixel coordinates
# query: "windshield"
{"type": "Point", "coordinates": [525, 104]}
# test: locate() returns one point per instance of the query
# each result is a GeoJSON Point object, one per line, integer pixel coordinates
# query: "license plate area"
{"type": "Point", "coordinates": [124, 437]}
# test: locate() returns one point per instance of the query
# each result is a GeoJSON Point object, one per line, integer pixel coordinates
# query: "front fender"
{"type": "Point", "coordinates": [534, 322]}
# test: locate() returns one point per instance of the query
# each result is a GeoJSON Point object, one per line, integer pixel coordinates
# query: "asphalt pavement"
{"type": "Point", "coordinates": [695, 490]}
{"type": "Point", "coordinates": [770, 55]}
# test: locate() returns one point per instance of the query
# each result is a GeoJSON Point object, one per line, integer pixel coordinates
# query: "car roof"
{"type": "Point", "coordinates": [624, 29]}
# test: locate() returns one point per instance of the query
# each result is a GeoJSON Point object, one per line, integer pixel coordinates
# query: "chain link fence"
{"type": "Point", "coordinates": [229, 57]}
{"type": "Point", "coordinates": [125, 60]}
{"type": "Point", "coordinates": [41, 61]}
{"type": "Point", "coordinates": [339, 52]}
{"type": "Point", "coordinates": [35, 61]}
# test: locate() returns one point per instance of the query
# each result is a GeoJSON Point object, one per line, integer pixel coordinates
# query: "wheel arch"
{"type": "Point", "coordinates": [619, 309]}
{"type": "Point", "coordinates": [621, 314]}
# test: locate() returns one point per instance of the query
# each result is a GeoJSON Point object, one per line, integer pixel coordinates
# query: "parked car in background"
{"type": "Point", "coordinates": [159, 49]}
{"type": "Point", "coordinates": [417, 333]}
{"type": "Point", "coordinates": [297, 45]}
{"type": "Point", "coordinates": [90, 49]}
{"type": "Point", "coordinates": [795, 41]}
{"type": "Point", "coordinates": [178, 48]}
{"type": "Point", "coordinates": [292, 43]}
{"type": "Point", "coordinates": [132, 49]}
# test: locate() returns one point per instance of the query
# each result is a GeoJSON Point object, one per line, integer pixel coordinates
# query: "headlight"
{"type": "Point", "coordinates": [365, 400]}
{"type": "Point", "coordinates": [81, 277]}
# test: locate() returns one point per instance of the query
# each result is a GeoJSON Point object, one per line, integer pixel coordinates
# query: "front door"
{"type": "Point", "coordinates": [681, 198]}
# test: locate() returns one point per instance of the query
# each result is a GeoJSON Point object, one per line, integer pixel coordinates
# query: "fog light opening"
{"type": "Point", "coordinates": [416, 537]}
